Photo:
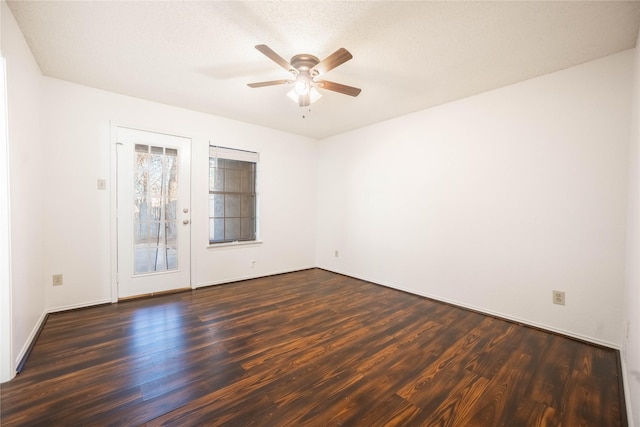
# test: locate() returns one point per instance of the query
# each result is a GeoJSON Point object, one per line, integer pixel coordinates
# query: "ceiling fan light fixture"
{"type": "Point", "coordinates": [293, 95]}
{"type": "Point", "coordinates": [306, 99]}
{"type": "Point", "coordinates": [314, 94]}
{"type": "Point", "coordinates": [301, 86]}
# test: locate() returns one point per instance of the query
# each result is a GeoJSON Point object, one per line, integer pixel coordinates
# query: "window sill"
{"type": "Point", "coordinates": [231, 245]}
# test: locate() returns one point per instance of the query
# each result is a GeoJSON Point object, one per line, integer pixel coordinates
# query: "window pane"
{"type": "Point", "coordinates": [140, 211]}
{"type": "Point", "coordinates": [218, 229]}
{"type": "Point", "coordinates": [171, 178]}
{"type": "Point", "coordinates": [141, 233]}
{"type": "Point", "coordinates": [232, 206]}
{"type": "Point", "coordinates": [156, 170]}
{"type": "Point", "coordinates": [248, 228]}
{"type": "Point", "coordinates": [211, 230]}
{"type": "Point", "coordinates": [212, 205]}
{"type": "Point", "coordinates": [232, 164]}
{"type": "Point", "coordinates": [216, 162]}
{"type": "Point", "coordinates": [172, 258]}
{"type": "Point", "coordinates": [155, 233]}
{"type": "Point", "coordinates": [155, 212]}
{"type": "Point", "coordinates": [142, 256]}
{"type": "Point", "coordinates": [219, 180]}
{"type": "Point", "coordinates": [216, 205]}
{"type": "Point", "coordinates": [158, 261]}
{"type": "Point", "coordinates": [171, 234]}
{"type": "Point", "coordinates": [247, 166]}
{"type": "Point", "coordinates": [232, 228]}
{"type": "Point", "coordinates": [171, 210]}
{"type": "Point", "coordinates": [232, 180]}
{"type": "Point", "coordinates": [246, 182]}
{"type": "Point", "coordinates": [247, 206]}
{"type": "Point", "coordinates": [216, 179]}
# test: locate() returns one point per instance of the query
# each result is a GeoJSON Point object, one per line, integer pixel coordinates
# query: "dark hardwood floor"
{"type": "Point", "coordinates": [308, 348]}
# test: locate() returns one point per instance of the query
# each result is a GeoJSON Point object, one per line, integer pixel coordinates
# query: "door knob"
{"type": "Point", "coordinates": [185, 222]}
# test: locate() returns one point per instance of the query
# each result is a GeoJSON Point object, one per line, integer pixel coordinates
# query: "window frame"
{"type": "Point", "coordinates": [233, 154]}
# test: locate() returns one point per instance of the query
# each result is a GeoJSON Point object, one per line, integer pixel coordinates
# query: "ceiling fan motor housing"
{"type": "Point", "coordinates": [304, 62]}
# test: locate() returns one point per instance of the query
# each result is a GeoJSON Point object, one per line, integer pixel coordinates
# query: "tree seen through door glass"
{"type": "Point", "coordinates": [155, 209]}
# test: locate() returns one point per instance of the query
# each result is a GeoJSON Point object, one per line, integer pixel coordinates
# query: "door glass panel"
{"type": "Point", "coordinates": [155, 195]}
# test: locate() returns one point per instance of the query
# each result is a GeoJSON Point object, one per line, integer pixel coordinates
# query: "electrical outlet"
{"type": "Point", "coordinates": [558, 297]}
{"type": "Point", "coordinates": [253, 264]}
{"type": "Point", "coordinates": [102, 184]}
{"type": "Point", "coordinates": [57, 279]}
{"type": "Point", "coordinates": [336, 253]}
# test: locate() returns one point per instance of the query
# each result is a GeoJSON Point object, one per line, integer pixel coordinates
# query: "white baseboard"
{"type": "Point", "coordinates": [488, 312]}
{"type": "Point", "coordinates": [248, 277]}
{"type": "Point", "coordinates": [30, 339]}
{"type": "Point", "coordinates": [627, 390]}
{"type": "Point", "coordinates": [80, 305]}
{"type": "Point", "coordinates": [519, 320]}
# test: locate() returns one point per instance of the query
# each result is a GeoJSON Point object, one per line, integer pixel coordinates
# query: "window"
{"type": "Point", "coordinates": [155, 198]}
{"type": "Point", "coordinates": [232, 195]}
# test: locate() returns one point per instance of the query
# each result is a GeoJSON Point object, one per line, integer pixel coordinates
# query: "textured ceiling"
{"type": "Point", "coordinates": [407, 56]}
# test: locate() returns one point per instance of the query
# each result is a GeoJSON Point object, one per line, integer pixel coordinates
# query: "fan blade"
{"type": "Point", "coordinates": [270, 83]}
{"type": "Point", "coordinates": [337, 87]}
{"type": "Point", "coordinates": [338, 57]}
{"type": "Point", "coordinates": [266, 50]}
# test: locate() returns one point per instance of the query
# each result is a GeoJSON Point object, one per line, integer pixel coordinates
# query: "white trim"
{"type": "Point", "coordinates": [193, 228]}
{"type": "Point", "coordinates": [236, 244]}
{"type": "Point", "coordinates": [249, 277]}
{"type": "Point", "coordinates": [80, 305]}
{"type": "Point", "coordinates": [113, 211]}
{"type": "Point", "coordinates": [40, 324]}
{"type": "Point", "coordinates": [31, 338]}
{"type": "Point", "coordinates": [233, 154]}
{"type": "Point", "coordinates": [7, 367]}
{"type": "Point", "coordinates": [626, 390]}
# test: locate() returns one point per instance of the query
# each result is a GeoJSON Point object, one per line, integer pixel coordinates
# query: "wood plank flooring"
{"type": "Point", "coordinates": [309, 348]}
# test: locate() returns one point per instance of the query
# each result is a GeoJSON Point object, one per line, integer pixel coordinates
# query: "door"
{"type": "Point", "coordinates": [153, 212]}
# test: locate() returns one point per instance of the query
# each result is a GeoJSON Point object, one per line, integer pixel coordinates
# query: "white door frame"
{"type": "Point", "coordinates": [7, 366]}
{"type": "Point", "coordinates": [113, 178]}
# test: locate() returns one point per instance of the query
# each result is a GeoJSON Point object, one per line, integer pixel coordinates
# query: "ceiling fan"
{"type": "Point", "coordinates": [305, 69]}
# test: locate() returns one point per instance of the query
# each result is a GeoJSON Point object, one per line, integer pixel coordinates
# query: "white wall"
{"type": "Point", "coordinates": [76, 125]}
{"type": "Point", "coordinates": [631, 326]}
{"type": "Point", "coordinates": [26, 181]}
{"type": "Point", "coordinates": [493, 201]}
